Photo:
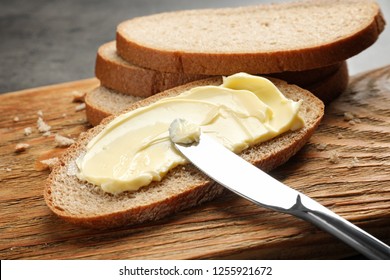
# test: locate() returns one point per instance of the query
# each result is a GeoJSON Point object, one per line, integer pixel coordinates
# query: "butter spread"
{"type": "Point", "coordinates": [135, 148]}
{"type": "Point", "coordinates": [182, 131]}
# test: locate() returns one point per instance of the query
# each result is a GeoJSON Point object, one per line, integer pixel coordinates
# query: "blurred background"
{"type": "Point", "coordinates": [45, 42]}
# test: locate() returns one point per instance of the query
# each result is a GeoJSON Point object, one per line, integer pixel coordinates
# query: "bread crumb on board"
{"type": "Point", "coordinates": [16, 119]}
{"type": "Point", "coordinates": [348, 116]}
{"type": "Point", "coordinates": [49, 163]}
{"type": "Point", "coordinates": [80, 107]}
{"type": "Point", "coordinates": [354, 162]}
{"type": "Point", "coordinates": [322, 147]}
{"type": "Point", "coordinates": [27, 131]}
{"type": "Point", "coordinates": [42, 126]}
{"type": "Point", "coordinates": [334, 157]}
{"type": "Point", "coordinates": [21, 147]}
{"type": "Point", "coordinates": [62, 141]}
{"type": "Point", "coordinates": [351, 118]}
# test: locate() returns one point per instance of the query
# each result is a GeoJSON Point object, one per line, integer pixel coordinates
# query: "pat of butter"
{"type": "Point", "coordinates": [182, 131]}
{"type": "Point", "coordinates": [135, 148]}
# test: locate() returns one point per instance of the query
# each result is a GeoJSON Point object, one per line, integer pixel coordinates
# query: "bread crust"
{"type": "Point", "coordinates": [183, 187]}
{"type": "Point", "coordinates": [251, 61]}
{"type": "Point", "coordinates": [332, 86]}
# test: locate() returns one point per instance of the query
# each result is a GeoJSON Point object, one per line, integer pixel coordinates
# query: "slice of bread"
{"type": "Point", "coordinates": [264, 39]}
{"type": "Point", "coordinates": [117, 74]}
{"type": "Point", "coordinates": [184, 186]}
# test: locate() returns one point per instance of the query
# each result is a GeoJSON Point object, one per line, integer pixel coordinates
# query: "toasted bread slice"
{"type": "Point", "coordinates": [264, 39]}
{"type": "Point", "coordinates": [184, 186]}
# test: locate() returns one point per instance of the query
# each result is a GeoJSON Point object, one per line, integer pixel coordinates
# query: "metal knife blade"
{"type": "Point", "coordinates": [248, 181]}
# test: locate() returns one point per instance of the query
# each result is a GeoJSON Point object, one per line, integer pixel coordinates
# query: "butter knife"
{"type": "Point", "coordinates": [248, 181]}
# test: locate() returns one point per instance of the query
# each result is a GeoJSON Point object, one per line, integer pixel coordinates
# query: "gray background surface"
{"type": "Point", "coordinates": [45, 42]}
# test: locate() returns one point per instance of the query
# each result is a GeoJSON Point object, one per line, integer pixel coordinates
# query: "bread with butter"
{"type": "Point", "coordinates": [184, 186]}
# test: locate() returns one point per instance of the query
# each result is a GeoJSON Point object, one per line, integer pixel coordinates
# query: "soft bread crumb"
{"type": "Point", "coordinates": [62, 141]}
{"type": "Point", "coordinates": [21, 147]}
{"type": "Point", "coordinates": [16, 119]}
{"type": "Point", "coordinates": [49, 163]}
{"type": "Point", "coordinates": [42, 126]}
{"type": "Point", "coordinates": [80, 107]}
{"type": "Point", "coordinates": [40, 113]}
{"type": "Point", "coordinates": [356, 120]}
{"type": "Point", "coordinates": [351, 118]}
{"type": "Point", "coordinates": [355, 161]}
{"type": "Point", "coordinates": [322, 147]}
{"type": "Point", "coordinates": [334, 157]}
{"type": "Point", "coordinates": [348, 116]}
{"type": "Point", "coordinates": [27, 131]}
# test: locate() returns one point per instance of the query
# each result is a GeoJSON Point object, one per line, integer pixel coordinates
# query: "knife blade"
{"type": "Point", "coordinates": [248, 181]}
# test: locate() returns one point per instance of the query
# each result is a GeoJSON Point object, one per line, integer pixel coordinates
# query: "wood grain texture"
{"type": "Point", "coordinates": [345, 166]}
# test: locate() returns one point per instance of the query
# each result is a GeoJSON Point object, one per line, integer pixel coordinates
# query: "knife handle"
{"type": "Point", "coordinates": [339, 227]}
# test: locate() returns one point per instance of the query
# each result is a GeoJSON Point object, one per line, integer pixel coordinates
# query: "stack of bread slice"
{"type": "Point", "coordinates": [305, 43]}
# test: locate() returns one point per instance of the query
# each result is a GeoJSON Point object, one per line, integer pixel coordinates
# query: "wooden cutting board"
{"type": "Point", "coordinates": [345, 166]}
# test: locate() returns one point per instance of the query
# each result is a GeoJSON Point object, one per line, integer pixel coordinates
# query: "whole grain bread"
{"type": "Point", "coordinates": [184, 186]}
{"type": "Point", "coordinates": [269, 38]}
